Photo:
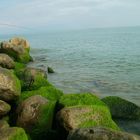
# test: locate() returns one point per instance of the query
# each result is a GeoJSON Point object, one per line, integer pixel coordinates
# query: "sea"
{"type": "Point", "coordinates": [103, 61]}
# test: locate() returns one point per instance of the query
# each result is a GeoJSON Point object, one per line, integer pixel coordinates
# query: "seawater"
{"type": "Point", "coordinates": [102, 61]}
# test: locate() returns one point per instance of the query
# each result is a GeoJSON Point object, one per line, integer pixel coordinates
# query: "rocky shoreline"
{"type": "Point", "coordinates": [31, 108]}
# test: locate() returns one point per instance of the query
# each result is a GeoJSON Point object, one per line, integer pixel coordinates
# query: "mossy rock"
{"type": "Point", "coordinates": [121, 108]}
{"type": "Point", "coordinates": [31, 78]}
{"type": "Point", "coordinates": [10, 87]}
{"type": "Point", "coordinates": [4, 108]}
{"type": "Point", "coordinates": [68, 100]}
{"type": "Point", "coordinates": [83, 116]}
{"type": "Point", "coordinates": [17, 48]}
{"type": "Point", "coordinates": [13, 133]}
{"type": "Point", "coordinates": [6, 61]}
{"type": "Point", "coordinates": [35, 115]}
{"type": "Point", "coordinates": [48, 92]}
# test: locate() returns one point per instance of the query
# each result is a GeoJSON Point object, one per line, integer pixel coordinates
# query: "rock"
{"type": "Point", "coordinates": [121, 108]}
{"type": "Point", "coordinates": [35, 115]}
{"type": "Point", "coordinates": [13, 133]}
{"type": "Point", "coordinates": [50, 70]}
{"type": "Point", "coordinates": [100, 133]}
{"type": "Point", "coordinates": [17, 48]}
{"type": "Point", "coordinates": [68, 100]}
{"type": "Point", "coordinates": [20, 41]}
{"type": "Point", "coordinates": [32, 78]}
{"type": "Point", "coordinates": [10, 87]}
{"type": "Point", "coordinates": [3, 124]}
{"type": "Point", "coordinates": [6, 61]}
{"type": "Point", "coordinates": [70, 118]}
{"type": "Point", "coordinates": [4, 108]}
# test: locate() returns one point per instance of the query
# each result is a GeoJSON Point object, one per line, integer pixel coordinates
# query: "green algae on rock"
{"type": "Point", "coordinates": [17, 48]}
{"type": "Point", "coordinates": [10, 87]}
{"type": "Point", "coordinates": [6, 61]}
{"type": "Point", "coordinates": [100, 133]}
{"type": "Point", "coordinates": [121, 108]}
{"type": "Point", "coordinates": [4, 108]}
{"type": "Point", "coordinates": [13, 133]}
{"type": "Point", "coordinates": [85, 116]}
{"type": "Point", "coordinates": [48, 92]}
{"type": "Point", "coordinates": [35, 115]}
{"type": "Point", "coordinates": [79, 99]}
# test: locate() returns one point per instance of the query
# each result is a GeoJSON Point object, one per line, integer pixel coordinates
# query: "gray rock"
{"type": "Point", "coordinates": [6, 61]}
{"type": "Point", "coordinates": [10, 87]}
{"type": "Point", "coordinates": [100, 133]}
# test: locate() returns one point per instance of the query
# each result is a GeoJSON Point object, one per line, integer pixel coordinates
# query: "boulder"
{"type": "Point", "coordinates": [20, 41]}
{"type": "Point", "coordinates": [4, 108]}
{"type": "Point", "coordinates": [32, 78]}
{"type": "Point", "coordinates": [100, 133]}
{"type": "Point", "coordinates": [70, 118]}
{"type": "Point", "coordinates": [35, 115]}
{"type": "Point", "coordinates": [6, 61]}
{"type": "Point", "coordinates": [17, 48]}
{"type": "Point", "coordinates": [3, 124]}
{"type": "Point", "coordinates": [121, 108]}
{"type": "Point", "coordinates": [10, 87]}
{"type": "Point", "coordinates": [12, 133]}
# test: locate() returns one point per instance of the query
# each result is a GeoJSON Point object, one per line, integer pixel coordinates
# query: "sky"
{"type": "Point", "coordinates": [37, 15]}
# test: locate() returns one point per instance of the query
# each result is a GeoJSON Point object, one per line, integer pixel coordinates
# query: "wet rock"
{"type": "Point", "coordinates": [4, 108]}
{"type": "Point", "coordinates": [6, 61]}
{"type": "Point", "coordinates": [17, 48]}
{"type": "Point", "coordinates": [35, 115]}
{"type": "Point", "coordinates": [50, 70]}
{"type": "Point", "coordinates": [121, 108]}
{"type": "Point", "coordinates": [100, 133]}
{"type": "Point", "coordinates": [10, 87]}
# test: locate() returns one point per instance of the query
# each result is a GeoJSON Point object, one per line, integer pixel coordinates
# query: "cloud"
{"type": "Point", "coordinates": [70, 13]}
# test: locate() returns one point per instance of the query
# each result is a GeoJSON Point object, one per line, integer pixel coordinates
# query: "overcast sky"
{"type": "Point", "coordinates": [67, 14]}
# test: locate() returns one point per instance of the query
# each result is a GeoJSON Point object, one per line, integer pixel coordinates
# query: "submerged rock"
{"type": "Point", "coordinates": [6, 61]}
{"type": "Point", "coordinates": [121, 108]}
{"type": "Point", "coordinates": [100, 133]}
{"type": "Point", "coordinates": [17, 48]}
{"type": "Point", "coordinates": [50, 70]}
{"type": "Point", "coordinates": [4, 108]}
{"type": "Point", "coordinates": [10, 87]}
{"type": "Point", "coordinates": [35, 115]}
